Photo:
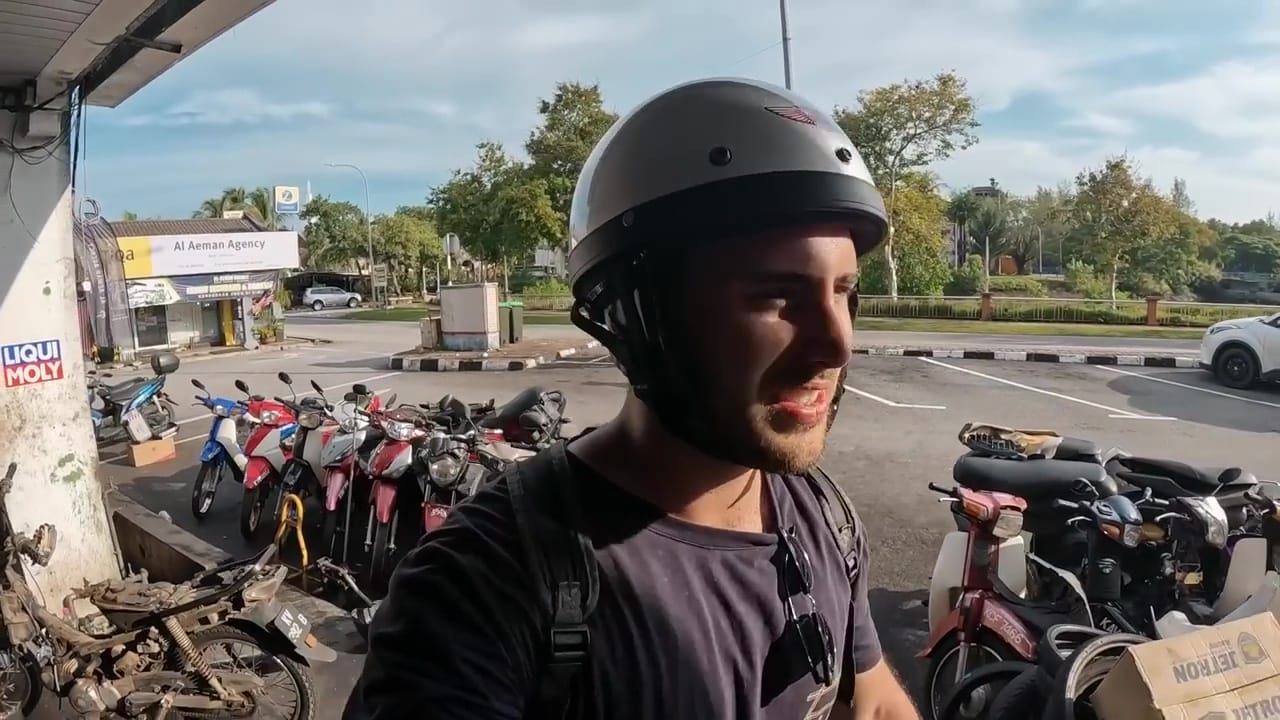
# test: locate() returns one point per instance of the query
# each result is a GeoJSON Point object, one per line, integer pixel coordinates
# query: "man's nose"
{"type": "Point", "coordinates": [830, 342]}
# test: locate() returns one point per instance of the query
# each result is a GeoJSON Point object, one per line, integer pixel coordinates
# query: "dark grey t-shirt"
{"type": "Point", "coordinates": [689, 622]}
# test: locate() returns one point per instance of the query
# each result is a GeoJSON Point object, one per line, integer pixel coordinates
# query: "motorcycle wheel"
{"type": "Point", "coordinates": [20, 685]}
{"type": "Point", "coordinates": [988, 678]}
{"type": "Point", "coordinates": [380, 565]}
{"type": "Point", "coordinates": [206, 486]}
{"type": "Point", "coordinates": [252, 506]}
{"type": "Point", "coordinates": [1020, 699]}
{"type": "Point", "coordinates": [223, 637]}
{"type": "Point", "coordinates": [940, 680]}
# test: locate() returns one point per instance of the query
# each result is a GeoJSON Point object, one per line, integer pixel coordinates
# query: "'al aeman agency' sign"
{"type": "Point", "coordinates": [170, 255]}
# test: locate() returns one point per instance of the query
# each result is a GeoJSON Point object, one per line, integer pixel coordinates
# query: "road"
{"type": "Point", "coordinates": [401, 335]}
{"type": "Point", "coordinates": [895, 433]}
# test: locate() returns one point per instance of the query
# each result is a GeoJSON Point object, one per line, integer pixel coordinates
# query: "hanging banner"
{"type": "Point", "coordinates": [201, 288]}
{"type": "Point", "coordinates": [171, 255]}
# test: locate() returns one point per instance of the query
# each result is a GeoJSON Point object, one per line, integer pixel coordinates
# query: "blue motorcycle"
{"type": "Point", "coordinates": [223, 450]}
{"type": "Point", "coordinates": [137, 409]}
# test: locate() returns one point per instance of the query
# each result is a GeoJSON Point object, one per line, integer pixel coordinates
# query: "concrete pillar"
{"type": "Point", "coordinates": [44, 415]}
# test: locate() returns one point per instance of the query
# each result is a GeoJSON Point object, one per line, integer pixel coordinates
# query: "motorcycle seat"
{"type": "Point", "coordinates": [1078, 449]}
{"type": "Point", "coordinates": [123, 392]}
{"type": "Point", "coordinates": [509, 413]}
{"type": "Point", "coordinates": [1033, 480]}
{"type": "Point", "coordinates": [1170, 478]}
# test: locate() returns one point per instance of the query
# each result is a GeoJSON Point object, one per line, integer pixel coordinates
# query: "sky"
{"type": "Point", "coordinates": [406, 88]}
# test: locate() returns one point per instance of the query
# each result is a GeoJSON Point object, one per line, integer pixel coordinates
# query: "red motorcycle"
{"type": "Point", "coordinates": [403, 428]}
{"type": "Point", "coordinates": [989, 622]}
{"type": "Point", "coordinates": [268, 448]}
{"type": "Point", "coordinates": [356, 436]}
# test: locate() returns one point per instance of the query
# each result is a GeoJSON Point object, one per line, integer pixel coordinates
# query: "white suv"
{"type": "Point", "coordinates": [1243, 352]}
{"type": "Point", "coordinates": [320, 297]}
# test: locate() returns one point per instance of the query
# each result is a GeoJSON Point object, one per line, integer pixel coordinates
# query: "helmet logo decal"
{"type": "Point", "coordinates": [791, 112]}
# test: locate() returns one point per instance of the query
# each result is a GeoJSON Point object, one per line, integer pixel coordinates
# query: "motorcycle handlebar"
{"type": "Point", "coordinates": [1067, 504]}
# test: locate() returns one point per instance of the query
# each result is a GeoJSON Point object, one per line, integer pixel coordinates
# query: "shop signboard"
{"type": "Point", "coordinates": [158, 256]}
{"type": "Point", "coordinates": [201, 288]}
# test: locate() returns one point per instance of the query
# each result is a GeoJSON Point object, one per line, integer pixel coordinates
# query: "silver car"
{"type": "Point", "coordinates": [320, 297]}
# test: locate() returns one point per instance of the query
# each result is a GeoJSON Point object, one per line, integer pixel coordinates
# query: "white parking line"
{"type": "Point", "coordinates": [273, 358]}
{"type": "Point", "coordinates": [1185, 386]}
{"type": "Point", "coordinates": [1117, 412]}
{"type": "Point", "coordinates": [891, 403]}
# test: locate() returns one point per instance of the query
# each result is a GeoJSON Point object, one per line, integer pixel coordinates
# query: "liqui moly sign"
{"type": "Point", "coordinates": [31, 363]}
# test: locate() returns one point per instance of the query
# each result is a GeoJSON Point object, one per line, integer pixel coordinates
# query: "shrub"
{"type": "Point", "coordinates": [966, 279]}
{"type": "Point", "coordinates": [1018, 286]}
{"type": "Point", "coordinates": [548, 287]}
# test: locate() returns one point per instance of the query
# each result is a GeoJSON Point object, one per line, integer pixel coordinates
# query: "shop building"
{"type": "Point", "coordinates": [200, 282]}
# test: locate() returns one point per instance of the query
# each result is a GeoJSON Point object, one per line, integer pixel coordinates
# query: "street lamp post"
{"type": "Point", "coordinates": [786, 43]}
{"type": "Point", "coordinates": [368, 223]}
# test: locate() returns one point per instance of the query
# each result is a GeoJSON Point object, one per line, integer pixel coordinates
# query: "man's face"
{"type": "Point", "coordinates": [768, 321]}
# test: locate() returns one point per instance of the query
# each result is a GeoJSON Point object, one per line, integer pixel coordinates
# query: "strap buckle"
{"type": "Point", "coordinates": [569, 644]}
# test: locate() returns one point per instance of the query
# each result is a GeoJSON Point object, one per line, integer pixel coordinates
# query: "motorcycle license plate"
{"type": "Point", "coordinates": [294, 625]}
{"type": "Point", "coordinates": [435, 516]}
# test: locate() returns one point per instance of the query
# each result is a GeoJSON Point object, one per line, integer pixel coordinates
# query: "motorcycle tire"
{"type": "Point", "coordinates": [253, 507]}
{"type": "Point", "coordinates": [332, 536]}
{"type": "Point", "coordinates": [1019, 700]}
{"type": "Point", "coordinates": [380, 565]}
{"type": "Point", "coordinates": [995, 649]}
{"type": "Point", "coordinates": [297, 674]}
{"type": "Point", "coordinates": [997, 674]}
{"type": "Point", "coordinates": [1081, 675]}
{"type": "Point", "coordinates": [22, 683]}
{"type": "Point", "coordinates": [208, 478]}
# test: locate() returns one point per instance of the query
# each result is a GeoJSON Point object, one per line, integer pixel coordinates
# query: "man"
{"type": "Point", "coordinates": [716, 234]}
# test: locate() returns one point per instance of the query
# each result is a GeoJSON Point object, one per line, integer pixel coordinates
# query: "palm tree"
{"type": "Point", "coordinates": [258, 204]}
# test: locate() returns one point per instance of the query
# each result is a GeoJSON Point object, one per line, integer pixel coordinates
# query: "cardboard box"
{"type": "Point", "coordinates": [152, 452]}
{"type": "Point", "coordinates": [1229, 671]}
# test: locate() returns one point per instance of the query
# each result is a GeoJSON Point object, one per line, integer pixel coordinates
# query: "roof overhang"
{"type": "Point", "coordinates": [121, 45]}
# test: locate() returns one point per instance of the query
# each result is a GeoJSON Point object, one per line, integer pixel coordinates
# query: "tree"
{"type": "Point", "coordinates": [258, 204]}
{"type": "Point", "coordinates": [128, 216]}
{"type": "Point", "coordinates": [961, 209]}
{"type": "Point", "coordinates": [499, 208]}
{"type": "Point", "coordinates": [405, 242]}
{"type": "Point", "coordinates": [989, 227]}
{"type": "Point", "coordinates": [1246, 253]}
{"type": "Point", "coordinates": [573, 121]}
{"type": "Point", "coordinates": [1180, 198]}
{"type": "Point", "coordinates": [907, 126]}
{"type": "Point", "coordinates": [1118, 214]}
{"type": "Point", "coordinates": [333, 234]}
{"type": "Point", "coordinates": [921, 217]}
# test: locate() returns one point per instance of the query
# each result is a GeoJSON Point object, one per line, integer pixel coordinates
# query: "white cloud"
{"type": "Point", "coordinates": [406, 88]}
{"type": "Point", "coordinates": [230, 107]}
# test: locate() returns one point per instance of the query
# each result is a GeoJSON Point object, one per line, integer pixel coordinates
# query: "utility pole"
{"type": "Point", "coordinates": [1040, 234]}
{"type": "Point", "coordinates": [45, 426]}
{"type": "Point", "coordinates": [786, 43]}
{"type": "Point", "coordinates": [368, 224]}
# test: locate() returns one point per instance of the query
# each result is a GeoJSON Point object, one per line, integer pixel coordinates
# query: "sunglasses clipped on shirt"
{"type": "Point", "coordinates": [811, 627]}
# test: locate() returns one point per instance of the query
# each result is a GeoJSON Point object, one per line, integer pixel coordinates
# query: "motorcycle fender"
{"type": "Point", "coordinates": [948, 573]}
{"type": "Point", "coordinates": [384, 500]}
{"type": "Point", "coordinates": [259, 621]}
{"type": "Point", "coordinates": [335, 486]}
{"type": "Point", "coordinates": [225, 435]}
{"type": "Point", "coordinates": [997, 620]}
{"type": "Point", "coordinates": [256, 471]}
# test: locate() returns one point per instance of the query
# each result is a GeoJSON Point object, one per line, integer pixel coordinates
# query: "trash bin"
{"type": "Point", "coordinates": [504, 323]}
{"type": "Point", "coordinates": [517, 320]}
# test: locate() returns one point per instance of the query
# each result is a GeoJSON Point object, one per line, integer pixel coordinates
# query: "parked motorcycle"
{"type": "Point", "coordinates": [354, 438]}
{"type": "Point", "coordinates": [268, 448]}
{"type": "Point", "coordinates": [134, 648]}
{"type": "Point", "coordinates": [137, 408]}
{"type": "Point", "coordinates": [221, 452]}
{"type": "Point", "coordinates": [530, 420]}
{"type": "Point", "coordinates": [303, 468]}
{"type": "Point", "coordinates": [404, 428]}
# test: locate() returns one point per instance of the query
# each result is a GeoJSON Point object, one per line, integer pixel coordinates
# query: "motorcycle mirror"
{"type": "Point", "coordinates": [1230, 475]}
{"type": "Point", "coordinates": [242, 386]}
{"type": "Point", "coordinates": [199, 385]}
{"type": "Point", "coordinates": [316, 386]}
{"type": "Point", "coordinates": [391, 400]}
{"type": "Point", "coordinates": [284, 377]}
{"type": "Point", "coordinates": [360, 389]}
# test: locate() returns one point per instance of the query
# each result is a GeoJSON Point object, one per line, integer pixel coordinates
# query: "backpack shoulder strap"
{"type": "Point", "coordinates": [842, 519]}
{"type": "Point", "coordinates": [562, 560]}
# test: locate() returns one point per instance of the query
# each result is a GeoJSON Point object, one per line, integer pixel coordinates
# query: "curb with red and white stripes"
{"type": "Point", "coordinates": [1091, 358]}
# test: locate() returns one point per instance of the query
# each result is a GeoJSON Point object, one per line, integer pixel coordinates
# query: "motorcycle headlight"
{"type": "Point", "coordinates": [269, 417]}
{"type": "Point", "coordinates": [398, 429]}
{"type": "Point", "coordinates": [1211, 515]}
{"type": "Point", "coordinates": [445, 469]}
{"type": "Point", "coordinates": [220, 411]}
{"type": "Point", "coordinates": [1132, 535]}
{"type": "Point", "coordinates": [310, 420]}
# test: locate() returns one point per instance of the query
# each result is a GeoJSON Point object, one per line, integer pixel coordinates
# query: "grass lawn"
{"type": "Point", "coordinates": [924, 325]}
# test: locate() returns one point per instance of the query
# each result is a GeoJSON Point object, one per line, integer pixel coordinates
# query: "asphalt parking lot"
{"type": "Point", "coordinates": [896, 432]}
